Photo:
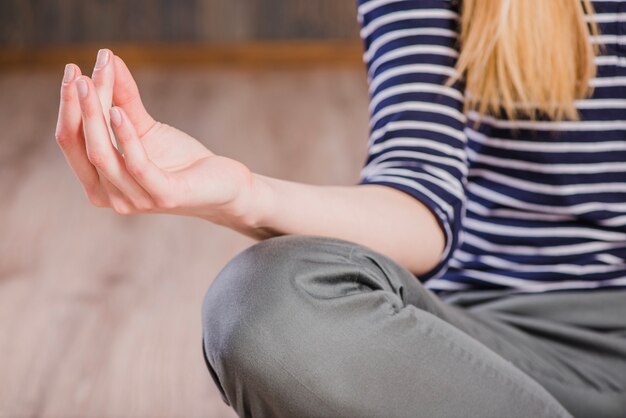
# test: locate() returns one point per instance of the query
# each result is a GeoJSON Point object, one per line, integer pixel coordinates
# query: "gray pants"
{"type": "Point", "coordinates": [309, 326]}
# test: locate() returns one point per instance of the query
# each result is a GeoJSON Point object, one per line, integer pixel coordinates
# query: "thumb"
{"type": "Point", "coordinates": [126, 96]}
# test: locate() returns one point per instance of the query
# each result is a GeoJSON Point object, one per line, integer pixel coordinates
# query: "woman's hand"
{"type": "Point", "coordinates": [160, 169]}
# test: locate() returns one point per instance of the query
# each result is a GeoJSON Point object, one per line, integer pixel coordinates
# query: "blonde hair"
{"type": "Point", "coordinates": [526, 56]}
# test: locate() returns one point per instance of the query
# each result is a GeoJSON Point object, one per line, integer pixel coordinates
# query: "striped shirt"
{"type": "Point", "coordinates": [538, 208]}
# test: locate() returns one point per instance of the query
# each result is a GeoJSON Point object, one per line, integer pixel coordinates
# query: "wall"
{"type": "Point", "coordinates": [44, 23]}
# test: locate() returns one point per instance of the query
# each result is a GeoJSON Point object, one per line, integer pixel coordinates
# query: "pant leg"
{"type": "Point", "coordinates": [307, 326]}
{"type": "Point", "coordinates": [572, 343]}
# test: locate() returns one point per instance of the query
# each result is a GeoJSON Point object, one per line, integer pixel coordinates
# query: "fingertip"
{"type": "Point", "coordinates": [124, 130]}
{"type": "Point", "coordinates": [69, 73]}
{"type": "Point", "coordinates": [103, 58]}
{"type": "Point", "coordinates": [116, 116]}
{"type": "Point", "coordinates": [82, 87]}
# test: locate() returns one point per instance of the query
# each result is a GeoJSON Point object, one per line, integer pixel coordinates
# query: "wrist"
{"type": "Point", "coordinates": [254, 207]}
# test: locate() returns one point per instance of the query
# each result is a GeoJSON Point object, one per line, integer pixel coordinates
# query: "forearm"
{"type": "Point", "coordinates": [382, 218]}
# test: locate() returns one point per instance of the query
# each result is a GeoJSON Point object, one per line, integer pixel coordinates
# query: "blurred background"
{"type": "Point", "coordinates": [41, 31]}
{"type": "Point", "coordinates": [100, 313]}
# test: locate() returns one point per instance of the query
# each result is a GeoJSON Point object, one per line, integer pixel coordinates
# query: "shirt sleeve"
{"type": "Point", "coordinates": [417, 142]}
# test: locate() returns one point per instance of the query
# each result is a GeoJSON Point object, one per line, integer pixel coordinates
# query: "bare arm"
{"type": "Point", "coordinates": [380, 217]}
{"type": "Point", "coordinates": [163, 170]}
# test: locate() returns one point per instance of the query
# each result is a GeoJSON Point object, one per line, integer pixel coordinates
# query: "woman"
{"type": "Point", "coordinates": [476, 270]}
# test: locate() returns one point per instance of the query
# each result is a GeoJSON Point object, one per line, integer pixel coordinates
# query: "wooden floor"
{"type": "Point", "coordinates": [99, 313]}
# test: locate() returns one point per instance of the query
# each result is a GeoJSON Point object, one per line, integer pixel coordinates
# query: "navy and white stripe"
{"type": "Point", "coordinates": [531, 206]}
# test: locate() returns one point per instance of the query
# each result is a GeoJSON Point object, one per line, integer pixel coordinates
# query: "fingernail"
{"type": "Point", "coordinates": [68, 74]}
{"type": "Point", "coordinates": [81, 86]}
{"type": "Point", "coordinates": [103, 58]}
{"type": "Point", "coordinates": [116, 116]}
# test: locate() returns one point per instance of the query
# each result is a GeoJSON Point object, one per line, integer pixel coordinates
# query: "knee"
{"type": "Point", "coordinates": [263, 277]}
{"type": "Point", "coordinates": [270, 280]}
{"type": "Point", "coordinates": [248, 306]}
{"type": "Point", "coordinates": [256, 275]}
{"type": "Point", "coordinates": [244, 287]}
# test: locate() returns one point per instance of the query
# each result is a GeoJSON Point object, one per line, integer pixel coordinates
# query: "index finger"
{"type": "Point", "coordinates": [126, 95]}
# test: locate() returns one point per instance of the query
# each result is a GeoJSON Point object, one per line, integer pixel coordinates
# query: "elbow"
{"type": "Point", "coordinates": [431, 243]}
{"type": "Point", "coordinates": [432, 252]}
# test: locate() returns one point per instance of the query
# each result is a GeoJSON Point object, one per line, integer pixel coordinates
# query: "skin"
{"type": "Point", "coordinates": [161, 169]}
